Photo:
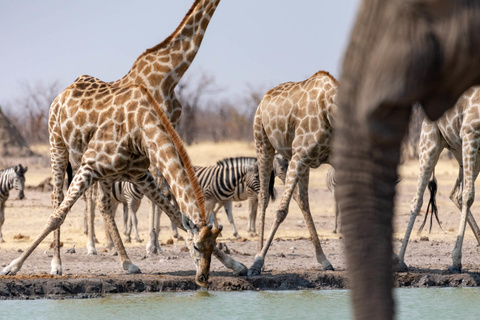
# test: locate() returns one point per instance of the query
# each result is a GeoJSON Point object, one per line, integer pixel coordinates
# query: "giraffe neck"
{"type": "Point", "coordinates": [159, 69]}
{"type": "Point", "coordinates": [178, 169]}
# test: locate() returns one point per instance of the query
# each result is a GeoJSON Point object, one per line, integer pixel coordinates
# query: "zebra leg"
{"type": "Point", "coordinates": [133, 206]}
{"type": "Point", "coordinates": [127, 225]}
{"type": "Point", "coordinates": [153, 247]}
{"type": "Point", "coordinates": [2, 218]}
{"type": "Point", "coordinates": [90, 212]}
{"type": "Point", "coordinates": [105, 205]}
{"type": "Point", "coordinates": [252, 208]}
{"type": "Point", "coordinates": [228, 209]}
{"type": "Point", "coordinates": [147, 185]}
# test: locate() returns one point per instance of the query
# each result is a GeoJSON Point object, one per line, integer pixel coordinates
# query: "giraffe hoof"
{"type": "Point", "coordinates": [133, 269]}
{"type": "Point", "coordinates": [328, 268]}
{"type": "Point", "coordinates": [455, 269]}
{"type": "Point", "coordinates": [240, 270]}
{"type": "Point", "coordinates": [256, 268]}
{"type": "Point", "coordinates": [400, 266]}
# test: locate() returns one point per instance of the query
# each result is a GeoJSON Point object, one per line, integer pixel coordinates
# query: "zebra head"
{"type": "Point", "coordinates": [19, 180]}
{"type": "Point", "coordinates": [252, 179]}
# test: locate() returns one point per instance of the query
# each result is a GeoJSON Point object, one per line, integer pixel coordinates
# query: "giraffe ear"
{"type": "Point", "coordinates": [188, 224]}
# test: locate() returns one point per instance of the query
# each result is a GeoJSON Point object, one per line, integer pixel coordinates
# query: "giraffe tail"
{"type": "Point", "coordinates": [69, 174]}
{"type": "Point", "coordinates": [271, 187]}
{"type": "Point", "coordinates": [432, 205]}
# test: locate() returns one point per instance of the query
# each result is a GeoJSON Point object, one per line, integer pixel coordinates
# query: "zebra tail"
{"type": "Point", "coordinates": [69, 174]}
{"type": "Point", "coordinates": [271, 187]}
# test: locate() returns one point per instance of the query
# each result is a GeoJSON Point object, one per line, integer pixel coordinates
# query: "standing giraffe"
{"type": "Point", "coordinates": [125, 132]}
{"type": "Point", "coordinates": [295, 119]}
{"type": "Point", "coordinates": [459, 131]}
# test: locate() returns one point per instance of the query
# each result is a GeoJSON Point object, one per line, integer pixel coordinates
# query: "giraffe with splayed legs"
{"type": "Point", "coordinates": [459, 131]}
{"type": "Point", "coordinates": [158, 69]}
{"type": "Point", "coordinates": [296, 120]}
{"type": "Point", "coordinates": [130, 131]}
{"type": "Point", "coordinates": [89, 104]}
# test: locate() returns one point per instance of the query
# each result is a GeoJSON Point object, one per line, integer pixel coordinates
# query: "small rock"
{"type": "Point", "coordinates": [293, 248]}
{"type": "Point", "coordinates": [281, 255]}
{"type": "Point", "coordinates": [4, 265]}
{"type": "Point", "coordinates": [170, 241]}
{"type": "Point", "coordinates": [424, 239]}
{"type": "Point", "coordinates": [20, 250]}
{"type": "Point", "coordinates": [71, 250]}
{"type": "Point", "coordinates": [184, 249]}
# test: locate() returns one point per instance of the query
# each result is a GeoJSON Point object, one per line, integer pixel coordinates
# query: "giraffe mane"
{"type": "Point", "coordinates": [167, 39]}
{"type": "Point", "coordinates": [187, 163]}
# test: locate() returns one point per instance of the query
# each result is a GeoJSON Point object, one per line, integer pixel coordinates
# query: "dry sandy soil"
{"type": "Point", "coordinates": [290, 263]}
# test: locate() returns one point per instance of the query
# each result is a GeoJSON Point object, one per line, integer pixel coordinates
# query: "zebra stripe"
{"type": "Point", "coordinates": [123, 191]}
{"type": "Point", "coordinates": [330, 180]}
{"type": "Point", "coordinates": [221, 180]}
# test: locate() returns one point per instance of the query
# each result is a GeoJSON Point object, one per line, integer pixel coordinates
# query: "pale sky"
{"type": "Point", "coordinates": [256, 43]}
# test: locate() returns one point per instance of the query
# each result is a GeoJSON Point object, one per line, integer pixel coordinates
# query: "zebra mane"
{"type": "Point", "coordinates": [236, 161]}
{"type": "Point", "coordinates": [19, 169]}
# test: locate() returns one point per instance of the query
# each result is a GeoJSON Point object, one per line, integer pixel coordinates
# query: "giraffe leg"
{"type": "Point", "coordinates": [265, 154]}
{"type": "Point", "coordinates": [469, 154]}
{"type": "Point", "coordinates": [83, 179]}
{"type": "Point", "coordinates": [105, 207]}
{"type": "Point", "coordinates": [431, 146]}
{"type": "Point", "coordinates": [456, 197]}
{"type": "Point", "coordinates": [295, 168]}
{"type": "Point", "coordinates": [301, 197]}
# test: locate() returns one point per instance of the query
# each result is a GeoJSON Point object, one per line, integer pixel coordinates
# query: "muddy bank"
{"type": "Point", "coordinates": [54, 287]}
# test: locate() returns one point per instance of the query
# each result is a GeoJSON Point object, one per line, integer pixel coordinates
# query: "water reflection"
{"type": "Point", "coordinates": [416, 303]}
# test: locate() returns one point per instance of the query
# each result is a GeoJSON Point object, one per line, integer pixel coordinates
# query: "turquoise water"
{"type": "Point", "coordinates": [415, 303]}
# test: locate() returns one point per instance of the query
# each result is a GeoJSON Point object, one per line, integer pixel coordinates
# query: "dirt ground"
{"type": "Point", "coordinates": [290, 263]}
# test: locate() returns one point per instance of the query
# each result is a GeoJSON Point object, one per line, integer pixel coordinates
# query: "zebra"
{"type": "Point", "coordinates": [12, 177]}
{"type": "Point", "coordinates": [231, 179]}
{"type": "Point", "coordinates": [127, 193]}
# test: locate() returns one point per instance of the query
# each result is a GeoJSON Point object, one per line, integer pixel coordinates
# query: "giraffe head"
{"type": "Point", "coordinates": [201, 241]}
